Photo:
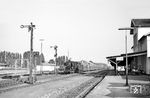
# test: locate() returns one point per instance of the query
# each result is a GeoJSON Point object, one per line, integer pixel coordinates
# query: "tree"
{"type": "Point", "coordinates": [61, 60]}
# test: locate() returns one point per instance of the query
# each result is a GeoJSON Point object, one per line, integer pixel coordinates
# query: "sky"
{"type": "Point", "coordinates": [82, 29]}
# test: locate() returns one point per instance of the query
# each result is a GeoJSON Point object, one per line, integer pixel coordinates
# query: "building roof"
{"type": "Point", "coordinates": [139, 23]}
{"type": "Point", "coordinates": [129, 55]}
{"type": "Point", "coordinates": [113, 57]}
{"type": "Point", "coordinates": [135, 54]}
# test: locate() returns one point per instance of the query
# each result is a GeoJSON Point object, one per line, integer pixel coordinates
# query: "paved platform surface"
{"type": "Point", "coordinates": [114, 87]}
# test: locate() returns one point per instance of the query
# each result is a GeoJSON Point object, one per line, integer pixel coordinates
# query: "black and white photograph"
{"type": "Point", "coordinates": [74, 48]}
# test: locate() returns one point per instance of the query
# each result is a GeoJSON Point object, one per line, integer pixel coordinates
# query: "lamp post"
{"type": "Point", "coordinates": [41, 40]}
{"type": "Point", "coordinates": [30, 28]}
{"type": "Point", "coordinates": [41, 44]}
{"type": "Point", "coordinates": [41, 48]}
{"type": "Point", "coordinates": [55, 48]}
{"type": "Point", "coordinates": [128, 28]}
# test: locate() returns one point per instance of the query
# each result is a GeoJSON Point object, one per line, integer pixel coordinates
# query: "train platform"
{"type": "Point", "coordinates": [114, 87]}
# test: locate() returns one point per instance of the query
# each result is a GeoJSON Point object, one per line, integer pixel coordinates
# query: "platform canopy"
{"type": "Point", "coordinates": [120, 59]}
{"type": "Point", "coordinates": [134, 54]}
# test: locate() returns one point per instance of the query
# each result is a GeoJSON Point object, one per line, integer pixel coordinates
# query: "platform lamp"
{"type": "Point", "coordinates": [128, 28]}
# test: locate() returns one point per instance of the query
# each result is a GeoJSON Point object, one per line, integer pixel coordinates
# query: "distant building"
{"type": "Point", "coordinates": [140, 58]}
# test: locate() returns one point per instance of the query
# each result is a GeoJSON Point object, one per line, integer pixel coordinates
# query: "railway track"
{"type": "Point", "coordinates": [83, 89]}
{"type": "Point", "coordinates": [13, 84]}
{"type": "Point", "coordinates": [65, 86]}
{"type": "Point", "coordinates": [10, 80]}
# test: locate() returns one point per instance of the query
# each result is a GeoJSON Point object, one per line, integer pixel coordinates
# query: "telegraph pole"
{"type": "Point", "coordinates": [30, 28]}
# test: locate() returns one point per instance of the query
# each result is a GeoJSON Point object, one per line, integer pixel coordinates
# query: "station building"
{"type": "Point", "coordinates": [139, 59]}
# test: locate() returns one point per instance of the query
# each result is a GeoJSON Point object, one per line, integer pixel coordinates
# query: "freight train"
{"type": "Point", "coordinates": [82, 66]}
